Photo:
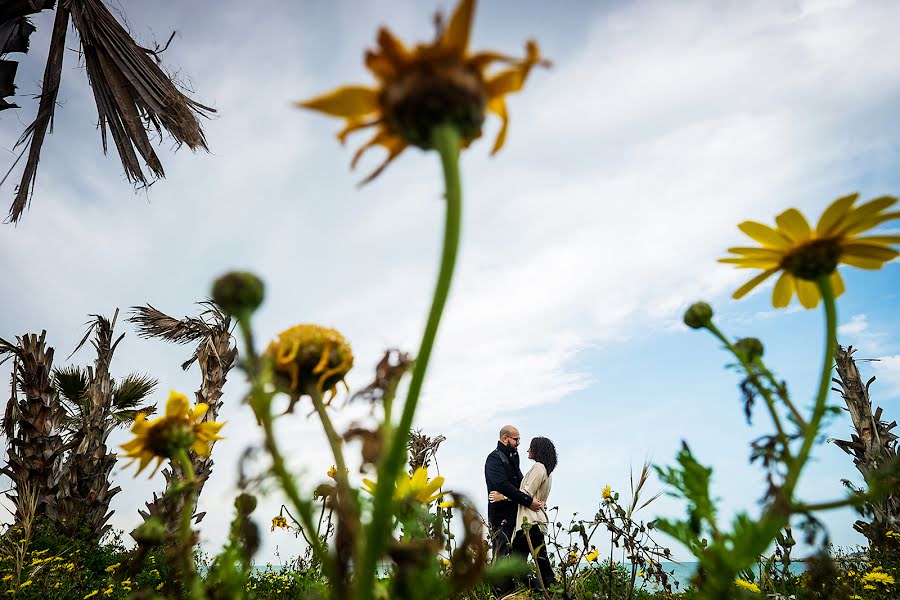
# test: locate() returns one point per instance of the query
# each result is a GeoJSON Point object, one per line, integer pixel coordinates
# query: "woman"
{"type": "Point", "coordinates": [537, 485]}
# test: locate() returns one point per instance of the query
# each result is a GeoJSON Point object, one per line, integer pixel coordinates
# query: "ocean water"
{"type": "Point", "coordinates": [682, 572]}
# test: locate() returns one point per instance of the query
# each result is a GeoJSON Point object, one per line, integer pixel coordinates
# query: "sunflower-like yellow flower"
{"type": "Point", "coordinates": [804, 254]}
{"type": "Point", "coordinates": [592, 555]}
{"type": "Point", "coordinates": [279, 522]}
{"type": "Point", "coordinates": [416, 487]}
{"type": "Point", "coordinates": [179, 429]}
{"type": "Point", "coordinates": [747, 585]}
{"type": "Point", "coordinates": [427, 86]}
{"type": "Point", "coordinates": [606, 494]}
{"type": "Point", "coordinates": [879, 577]}
{"type": "Point", "coordinates": [310, 355]}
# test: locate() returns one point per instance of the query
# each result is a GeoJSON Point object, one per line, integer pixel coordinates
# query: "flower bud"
{"type": "Point", "coordinates": [698, 315]}
{"type": "Point", "coordinates": [151, 532]}
{"type": "Point", "coordinates": [245, 503]}
{"type": "Point", "coordinates": [238, 293]}
{"type": "Point", "coordinates": [749, 349]}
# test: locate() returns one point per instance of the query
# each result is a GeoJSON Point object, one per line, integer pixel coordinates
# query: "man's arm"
{"type": "Point", "coordinates": [496, 472]}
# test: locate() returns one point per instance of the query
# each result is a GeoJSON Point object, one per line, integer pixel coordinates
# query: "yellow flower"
{"type": "Point", "coordinates": [308, 355]}
{"type": "Point", "coordinates": [24, 584]}
{"type": "Point", "coordinates": [160, 586]}
{"type": "Point", "coordinates": [6, 578]}
{"type": "Point", "coordinates": [892, 534]}
{"type": "Point", "coordinates": [179, 428]}
{"type": "Point", "coordinates": [111, 568]}
{"type": "Point", "coordinates": [592, 555]}
{"type": "Point", "coordinates": [803, 254]}
{"type": "Point", "coordinates": [417, 487]}
{"type": "Point", "coordinates": [869, 587]}
{"type": "Point", "coordinates": [92, 594]}
{"type": "Point", "coordinates": [877, 576]}
{"type": "Point", "coordinates": [447, 504]}
{"type": "Point", "coordinates": [750, 587]}
{"type": "Point", "coordinates": [427, 86]}
{"type": "Point", "coordinates": [280, 522]}
{"type": "Point", "coordinates": [606, 494]}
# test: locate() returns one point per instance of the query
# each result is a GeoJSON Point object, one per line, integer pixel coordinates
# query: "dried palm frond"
{"type": "Point", "coordinates": [134, 96]}
{"type": "Point", "coordinates": [33, 137]}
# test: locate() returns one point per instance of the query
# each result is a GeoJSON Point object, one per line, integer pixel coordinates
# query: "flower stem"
{"type": "Point", "coordinates": [818, 413]}
{"type": "Point", "coordinates": [445, 139]}
{"type": "Point", "coordinates": [186, 551]}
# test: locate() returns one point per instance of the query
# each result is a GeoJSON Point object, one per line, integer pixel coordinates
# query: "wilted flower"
{"type": "Point", "coordinates": [179, 429]}
{"type": "Point", "coordinates": [310, 355]}
{"type": "Point", "coordinates": [427, 86]}
{"type": "Point", "coordinates": [280, 522]}
{"type": "Point", "coordinates": [416, 487]}
{"type": "Point", "coordinates": [803, 254]}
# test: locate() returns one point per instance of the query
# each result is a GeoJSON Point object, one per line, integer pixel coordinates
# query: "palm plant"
{"type": "Point", "coordinates": [95, 404]}
{"type": "Point", "coordinates": [134, 96]}
{"type": "Point", "coordinates": [214, 353]}
{"type": "Point", "coordinates": [33, 425]}
{"type": "Point", "coordinates": [873, 447]}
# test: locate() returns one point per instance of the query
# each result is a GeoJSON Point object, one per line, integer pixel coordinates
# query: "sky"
{"type": "Point", "coordinates": [627, 167]}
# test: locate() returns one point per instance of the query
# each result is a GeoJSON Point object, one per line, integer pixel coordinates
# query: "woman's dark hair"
{"type": "Point", "coordinates": [544, 452]}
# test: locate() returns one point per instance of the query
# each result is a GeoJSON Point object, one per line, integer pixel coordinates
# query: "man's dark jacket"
{"type": "Point", "coordinates": [502, 474]}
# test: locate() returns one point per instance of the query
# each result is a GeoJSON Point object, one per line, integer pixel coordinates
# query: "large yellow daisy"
{"type": "Point", "coordinates": [416, 487]}
{"type": "Point", "coordinates": [180, 428]}
{"type": "Point", "coordinates": [426, 86]}
{"type": "Point", "coordinates": [803, 254]}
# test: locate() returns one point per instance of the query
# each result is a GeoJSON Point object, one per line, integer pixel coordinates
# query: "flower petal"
{"type": "Point", "coordinates": [837, 283]}
{"type": "Point", "coordinates": [870, 251]}
{"type": "Point", "coordinates": [197, 413]}
{"type": "Point", "coordinates": [200, 447]}
{"type": "Point", "coordinates": [498, 107]}
{"type": "Point", "coordinates": [855, 227]}
{"type": "Point", "coordinates": [456, 36]}
{"type": "Point", "coordinates": [807, 293]}
{"type": "Point", "coordinates": [749, 263]}
{"type": "Point", "coordinates": [744, 289]}
{"type": "Point", "coordinates": [879, 239]}
{"type": "Point", "coordinates": [834, 214]}
{"type": "Point", "coordinates": [793, 224]}
{"type": "Point", "coordinates": [783, 291]}
{"type": "Point", "coordinates": [758, 252]}
{"type": "Point", "coordinates": [350, 101]}
{"type": "Point", "coordinates": [765, 235]}
{"type": "Point", "coordinates": [870, 264]}
{"type": "Point", "coordinates": [177, 405]}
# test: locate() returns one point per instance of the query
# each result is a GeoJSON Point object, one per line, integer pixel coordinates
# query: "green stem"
{"type": "Point", "coordinates": [445, 139]}
{"type": "Point", "coordinates": [189, 575]}
{"type": "Point", "coordinates": [770, 402]}
{"type": "Point", "coordinates": [818, 413]}
{"type": "Point", "coordinates": [261, 403]}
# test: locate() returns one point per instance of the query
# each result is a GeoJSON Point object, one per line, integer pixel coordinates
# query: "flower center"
{"type": "Point", "coordinates": [813, 259]}
{"type": "Point", "coordinates": [429, 94]}
{"type": "Point", "coordinates": [169, 436]}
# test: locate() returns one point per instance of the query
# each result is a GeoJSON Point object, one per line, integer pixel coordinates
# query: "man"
{"type": "Point", "coordinates": [502, 474]}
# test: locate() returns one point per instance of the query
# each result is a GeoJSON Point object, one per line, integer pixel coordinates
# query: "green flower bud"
{"type": "Point", "coordinates": [698, 315]}
{"type": "Point", "coordinates": [749, 349]}
{"type": "Point", "coordinates": [238, 293]}
{"type": "Point", "coordinates": [245, 503]}
{"type": "Point", "coordinates": [151, 533]}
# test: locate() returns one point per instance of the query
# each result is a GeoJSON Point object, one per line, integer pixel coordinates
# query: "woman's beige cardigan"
{"type": "Point", "coordinates": [537, 485]}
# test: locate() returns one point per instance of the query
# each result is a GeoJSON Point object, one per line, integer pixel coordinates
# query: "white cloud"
{"type": "Point", "coordinates": [887, 369]}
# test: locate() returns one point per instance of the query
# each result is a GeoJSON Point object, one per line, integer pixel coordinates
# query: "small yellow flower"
{"type": "Point", "coordinates": [92, 594]}
{"type": "Point", "coordinates": [160, 586]}
{"type": "Point", "coordinates": [111, 568]}
{"type": "Point", "coordinates": [417, 487]}
{"type": "Point", "coordinates": [280, 522]}
{"type": "Point", "coordinates": [6, 578]}
{"type": "Point", "coordinates": [892, 534]}
{"type": "Point", "coordinates": [869, 587]}
{"type": "Point", "coordinates": [592, 555]}
{"type": "Point", "coordinates": [606, 494]}
{"type": "Point", "coordinates": [804, 254]}
{"type": "Point", "coordinates": [310, 355]}
{"type": "Point", "coordinates": [180, 428]}
{"type": "Point", "coordinates": [750, 587]}
{"type": "Point", "coordinates": [425, 87]}
{"type": "Point", "coordinates": [24, 584]}
{"type": "Point", "coordinates": [447, 504]}
{"type": "Point", "coordinates": [877, 576]}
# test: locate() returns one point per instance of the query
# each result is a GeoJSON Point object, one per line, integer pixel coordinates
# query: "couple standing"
{"type": "Point", "coordinates": [515, 499]}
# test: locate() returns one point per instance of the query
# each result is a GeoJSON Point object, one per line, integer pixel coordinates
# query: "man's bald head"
{"type": "Point", "coordinates": [509, 436]}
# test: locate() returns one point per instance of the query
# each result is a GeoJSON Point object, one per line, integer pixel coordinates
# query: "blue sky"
{"type": "Point", "coordinates": [627, 167]}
